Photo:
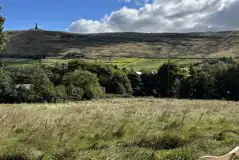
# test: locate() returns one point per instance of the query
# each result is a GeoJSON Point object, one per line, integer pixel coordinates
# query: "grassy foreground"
{"type": "Point", "coordinates": [137, 129]}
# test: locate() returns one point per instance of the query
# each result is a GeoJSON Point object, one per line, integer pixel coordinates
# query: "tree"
{"type": "Point", "coordinates": [206, 82]}
{"type": "Point", "coordinates": [113, 79]}
{"type": "Point", "coordinates": [169, 75]}
{"type": "Point", "coordinates": [74, 92]}
{"type": "Point", "coordinates": [119, 83]}
{"type": "Point", "coordinates": [149, 81]}
{"type": "Point", "coordinates": [85, 82]}
{"type": "Point", "coordinates": [6, 86]}
{"type": "Point", "coordinates": [136, 83]}
{"type": "Point", "coordinates": [3, 38]}
{"type": "Point", "coordinates": [43, 90]}
{"type": "Point", "coordinates": [228, 83]}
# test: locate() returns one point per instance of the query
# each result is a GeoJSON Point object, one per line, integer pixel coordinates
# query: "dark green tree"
{"type": "Point", "coordinates": [149, 81]}
{"type": "Point", "coordinates": [6, 86]}
{"type": "Point", "coordinates": [169, 75]}
{"type": "Point", "coordinates": [136, 83]}
{"type": "Point", "coordinates": [3, 38]}
{"type": "Point", "coordinates": [227, 84]}
{"type": "Point", "coordinates": [85, 82]}
{"type": "Point", "coordinates": [204, 82]}
{"type": "Point", "coordinates": [43, 90]}
{"type": "Point", "coordinates": [113, 79]}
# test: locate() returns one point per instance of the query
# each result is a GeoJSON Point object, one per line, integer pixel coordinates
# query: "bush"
{"type": "Point", "coordinates": [60, 93]}
{"type": "Point", "coordinates": [111, 78]}
{"type": "Point", "coordinates": [6, 86]}
{"type": "Point", "coordinates": [228, 83]}
{"type": "Point", "coordinates": [74, 93]}
{"type": "Point", "coordinates": [22, 76]}
{"type": "Point", "coordinates": [85, 82]}
{"type": "Point", "coordinates": [180, 154]}
{"type": "Point", "coordinates": [136, 83]}
{"type": "Point", "coordinates": [22, 95]}
{"type": "Point", "coordinates": [149, 81]}
{"type": "Point", "coordinates": [119, 83]}
{"type": "Point", "coordinates": [217, 79]}
{"type": "Point", "coordinates": [43, 90]}
{"type": "Point", "coordinates": [203, 82]}
{"type": "Point", "coordinates": [169, 77]}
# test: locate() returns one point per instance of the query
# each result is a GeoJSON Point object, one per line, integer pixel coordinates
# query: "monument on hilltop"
{"type": "Point", "coordinates": [36, 27]}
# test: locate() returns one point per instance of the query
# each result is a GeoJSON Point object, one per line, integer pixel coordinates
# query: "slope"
{"type": "Point", "coordinates": [31, 43]}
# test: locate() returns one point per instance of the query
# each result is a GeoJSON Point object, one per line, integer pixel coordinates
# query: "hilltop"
{"type": "Point", "coordinates": [30, 43]}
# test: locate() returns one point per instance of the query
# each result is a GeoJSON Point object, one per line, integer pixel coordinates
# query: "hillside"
{"type": "Point", "coordinates": [58, 44]}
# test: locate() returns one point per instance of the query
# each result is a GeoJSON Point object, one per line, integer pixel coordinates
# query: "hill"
{"type": "Point", "coordinates": [59, 44]}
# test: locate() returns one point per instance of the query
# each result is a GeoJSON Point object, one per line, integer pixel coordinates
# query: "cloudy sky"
{"type": "Point", "coordinates": [94, 16]}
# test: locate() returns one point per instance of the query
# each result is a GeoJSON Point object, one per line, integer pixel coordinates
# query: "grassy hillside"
{"type": "Point", "coordinates": [52, 43]}
{"type": "Point", "coordinates": [137, 64]}
{"type": "Point", "coordinates": [119, 129]}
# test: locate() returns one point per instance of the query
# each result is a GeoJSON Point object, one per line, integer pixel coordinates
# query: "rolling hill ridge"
{"type": "Point", "coordinates": [32, 43]}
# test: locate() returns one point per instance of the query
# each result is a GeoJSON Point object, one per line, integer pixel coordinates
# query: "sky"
{"type": "Point", "coordinates": [95, 16]}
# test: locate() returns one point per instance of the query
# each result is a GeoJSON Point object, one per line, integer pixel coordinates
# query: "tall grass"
{"type": "Point", "coordinates": [138, 128]}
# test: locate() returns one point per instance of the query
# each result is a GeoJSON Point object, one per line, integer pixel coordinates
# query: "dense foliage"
{"type": "Point", "coordinates": [82, 80]}
{"type": "Point", "coordinates": [2, 35]}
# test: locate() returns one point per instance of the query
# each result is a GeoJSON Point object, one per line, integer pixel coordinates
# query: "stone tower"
{"type": "Point", "coordinates": [36, 27]}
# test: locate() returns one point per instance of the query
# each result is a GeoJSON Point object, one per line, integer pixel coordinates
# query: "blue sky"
{"type": "Point", "coordinates": [94, 16]}
{"type": "Point", "coordinates": [54, 14]}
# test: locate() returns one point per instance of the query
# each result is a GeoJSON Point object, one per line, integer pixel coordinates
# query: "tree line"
{"type": "Point", "coordinates": [210, 79]}
{"type": "Point", "coordinates": [82, 80]}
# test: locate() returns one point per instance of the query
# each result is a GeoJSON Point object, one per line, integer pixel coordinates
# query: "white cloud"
{"type": "Point", "coordinates": [166, 16]}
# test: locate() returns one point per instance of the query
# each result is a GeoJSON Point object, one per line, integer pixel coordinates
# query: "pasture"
{"type": "Point", "coordinates": [119, 129]}
{"type": "Point", "coordinates": [137, 64]}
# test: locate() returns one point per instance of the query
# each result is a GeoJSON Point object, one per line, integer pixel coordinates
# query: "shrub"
{"type": "Point", "coordinates": [85, 80]}
{"type": "Point", "coordinates": [202, 83]}
{"type": "Point", "coordinates": [136, 83]}
{"type": "Point", "coordinates": [111, 78]}
{"type": "Point", "coordinates": [6, 86]}
{"type": "Point", "coordinates": [43, 90]}
{"type": "Point", "coordinates": [119, 83]}
{"type": "Point", "coordinates": [22, 95]}
{"type": "Point", "coordinates": [228, 83]}
{"type": "Point", "coordinates": [149, 81]}
{"type": "Point", "coordinates": [168, 75]}
{"type": "Point", "coordinates": [60, 93]}
{"type": "Point", "coordinates": [181, 154]}
{"type": "Point", "coordinates": [74, 93]}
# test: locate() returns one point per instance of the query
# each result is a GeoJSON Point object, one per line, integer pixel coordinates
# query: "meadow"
{"type": "Point", "coordinates": [119, 129]}
{"type": "Point", "coordinates": [137, 64]}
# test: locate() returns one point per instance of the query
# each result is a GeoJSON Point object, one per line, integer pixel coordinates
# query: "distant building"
{"type": "Point", "coordinates": [139, 73]}
{"type": "Point", "coordinates": [36, 27]}
{"type": "Point", "coordinates": [25, 86]}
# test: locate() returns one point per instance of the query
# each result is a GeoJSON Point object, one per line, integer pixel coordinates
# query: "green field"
{"type": "Point", "coordinates": [137, 64]}
{"type": "Point", "coordinates": [119, 129]}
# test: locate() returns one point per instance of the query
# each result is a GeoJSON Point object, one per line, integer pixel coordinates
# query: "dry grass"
{"type": "Point", "coordinates": [143, 128]}
{"type": "Point", "coordinates": [218, 44]}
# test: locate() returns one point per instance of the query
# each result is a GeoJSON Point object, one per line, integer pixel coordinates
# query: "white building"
{"type": "Point", "coordinates": [26, 86]}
